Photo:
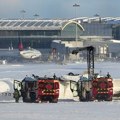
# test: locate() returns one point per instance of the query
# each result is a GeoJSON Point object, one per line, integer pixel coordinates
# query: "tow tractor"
{"type": "Point", "coordinates": [92, 86]}
{"type": "Point", "coordinates": [37, 89]}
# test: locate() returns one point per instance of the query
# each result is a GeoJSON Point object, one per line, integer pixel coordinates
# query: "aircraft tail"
{"type": "Point", "coordinates": [20, 45]}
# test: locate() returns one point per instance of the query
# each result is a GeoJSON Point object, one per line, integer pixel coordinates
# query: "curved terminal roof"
{"type": "Point", "coordinates": [32, 24]}
{"type": "Point", "coordinates": [39, 24]}
{"type": "Point", "coordinates": [73, 22]}
{"type": "Point", "coordinates": [107, 20]}
{"type": "Point", "coordinates": [35, 24]}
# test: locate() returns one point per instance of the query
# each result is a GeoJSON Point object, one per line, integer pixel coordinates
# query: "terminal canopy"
{"type": "Point", "coordinates": [36, 24]}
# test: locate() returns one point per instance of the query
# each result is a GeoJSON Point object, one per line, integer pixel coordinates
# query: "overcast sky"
{"type": "Point", "coordinates": [58, 8]}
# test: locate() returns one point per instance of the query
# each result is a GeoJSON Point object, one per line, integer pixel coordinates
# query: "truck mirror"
{"type": "Point", "coordinates": [74, 88]}
{"type": "Point", "coordinates": [19, 84]}
{"type": "Point", "coordinates": [75, 93]}
{"type": "Point", "coordinates": [73, 85]}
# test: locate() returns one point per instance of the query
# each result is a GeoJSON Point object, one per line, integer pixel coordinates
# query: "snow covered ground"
{"type": "Point", "coordinates": [18, 71]}
{"type": "Point", "coordinates": [63, 110]}
{"type": "Point", "coordinates": [60, 111]}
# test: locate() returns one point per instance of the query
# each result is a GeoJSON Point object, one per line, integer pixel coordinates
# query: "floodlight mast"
{"type": "Point", "coordinates": [76, 32]}
{"type": "Point", "coordinates": [90, 58]}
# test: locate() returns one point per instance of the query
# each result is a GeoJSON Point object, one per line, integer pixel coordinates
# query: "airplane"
{"type": "Point", "coordinates": [6, 91]}
{"type": "Point", "coordinates": [29, 53]}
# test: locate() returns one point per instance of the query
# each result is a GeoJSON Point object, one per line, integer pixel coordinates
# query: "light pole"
{"type": "Point", "coordinates": [23, 12]}
{"type": "Point", "coordinates": [76, 6]}
{"type": "Point", "coordinates": [36, 16]}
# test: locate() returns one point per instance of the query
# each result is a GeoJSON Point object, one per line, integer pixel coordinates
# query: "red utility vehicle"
{"type": "Point", "coordinates": [102, 88]}
{"type": "Point", "coordinates": [38, 89]}
{"type": "Point", "coordinates": [92, 86]}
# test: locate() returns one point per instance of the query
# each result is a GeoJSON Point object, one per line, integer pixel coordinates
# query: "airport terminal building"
{"type": "Point", "coordinates": [39, 33]}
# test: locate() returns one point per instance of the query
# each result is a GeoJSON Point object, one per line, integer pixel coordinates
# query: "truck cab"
{"type": "Point", "coordinates": [26, 88]}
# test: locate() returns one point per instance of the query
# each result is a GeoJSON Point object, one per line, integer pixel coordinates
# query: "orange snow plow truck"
{"type": "Point", "coordinates": [37, 89]}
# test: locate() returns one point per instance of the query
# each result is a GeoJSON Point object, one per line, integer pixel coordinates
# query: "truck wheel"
{"type": "Point", "coordinates": [109, 99]}
{"type": "Point", "coordinates": [24, 99]}
{"type": "Point", "coordinates": [42, 101]}
{"type": "Point", "coordinates": [54, 101]}
{"type": "Point", "coordinates": [32, 96]}
{"type": "Point", "coordinates": [16, 100]}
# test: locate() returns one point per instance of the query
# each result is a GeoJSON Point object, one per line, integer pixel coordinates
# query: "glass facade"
{"type": "Point", "coordinates": [34, 38]}
{"type": "Point", "coordinates": [97, 29]}
{"type": "Point", "coordinates": [116, 32]}
{"type": "Point", "coordinates": [71, 30]}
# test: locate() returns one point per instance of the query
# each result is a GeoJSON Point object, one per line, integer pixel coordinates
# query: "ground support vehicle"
{"type": "Point", "coordinates": [91, 86]}
{"type": "Point", "coordinates": [95, 88]}
{"type": "Point", "coordinates": [102, 89]}
{"type": "Point", "coordinates": [82, 88]}
{"type": "Point", "coordinates": [38, 89]}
